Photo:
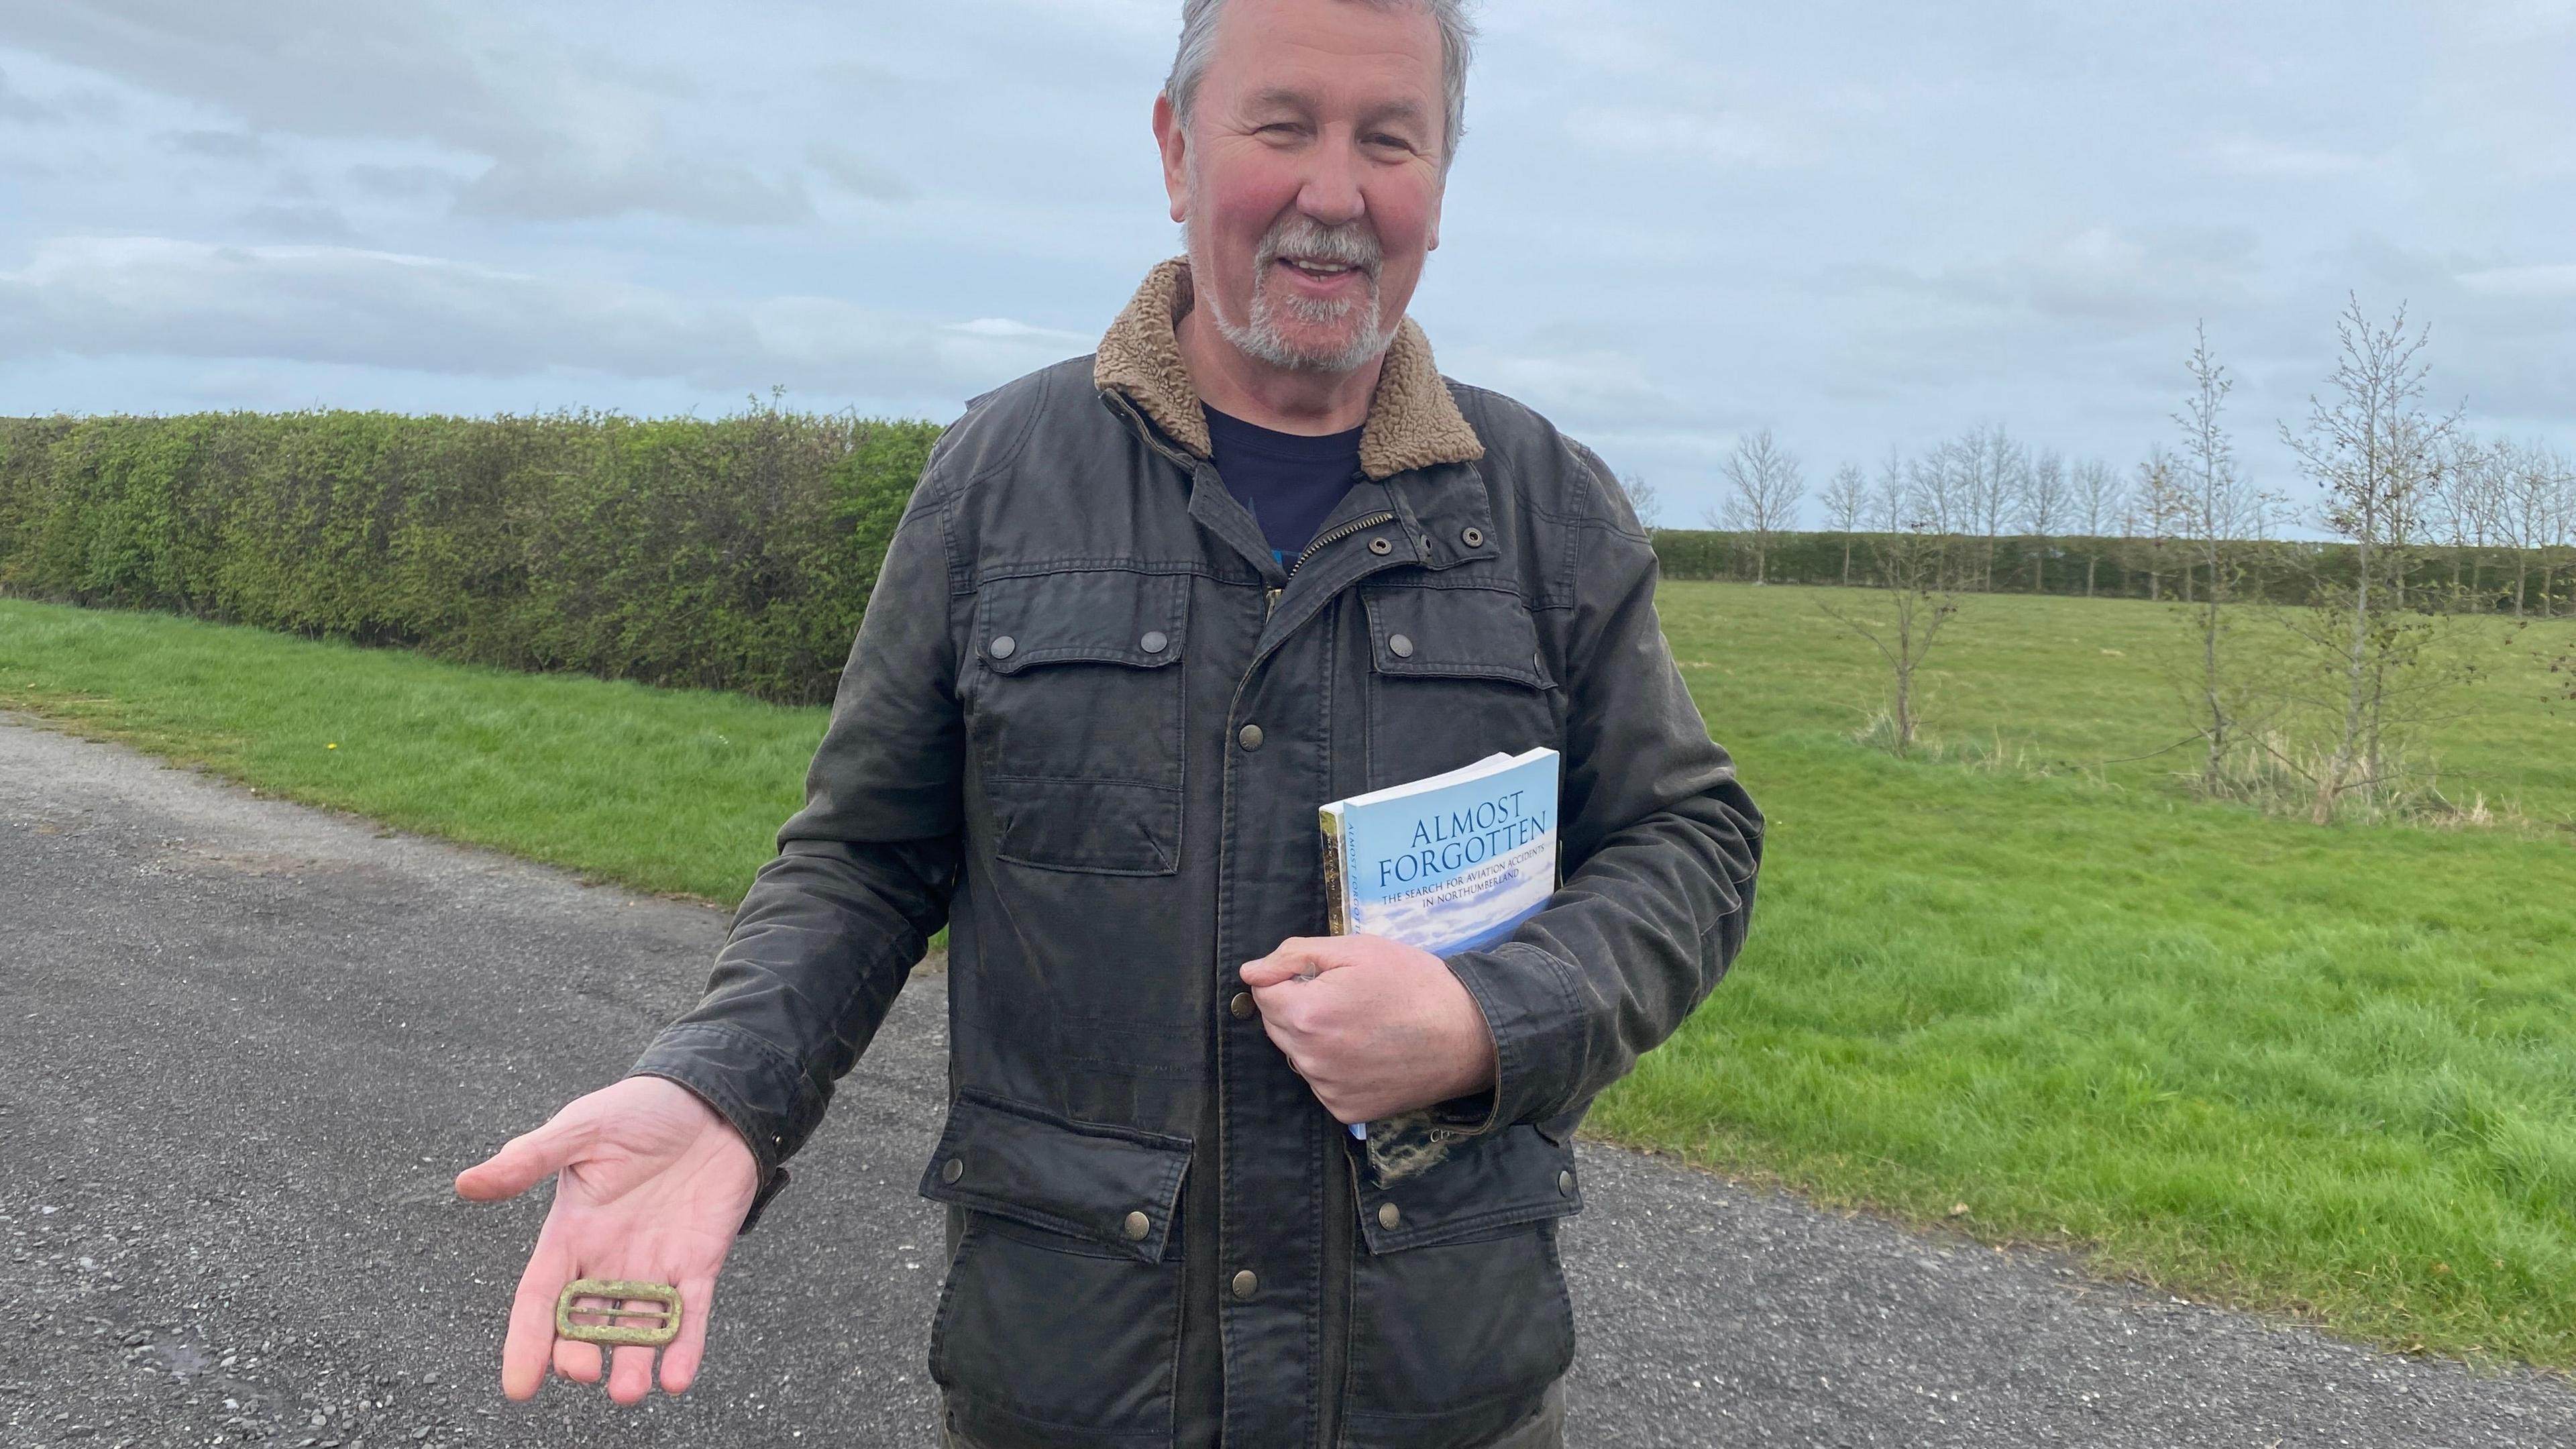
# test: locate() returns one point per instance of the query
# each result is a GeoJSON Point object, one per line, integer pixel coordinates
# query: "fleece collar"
{"type": "Point", "coordinates": [1413, 422]}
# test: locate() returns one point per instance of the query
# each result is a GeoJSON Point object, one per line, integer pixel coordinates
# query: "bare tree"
{"type": "Point", "coordinates": [2529, 489]}
{"type": "Point", "coordinates": [2464, 510]}
{"type": "Point", "coordinates": [2561, 485]}
{"type": "Point", "coordinates": [1916, 573]}
{"type": "Point", "coordinates": [1891, 497]}
{"type": "Point", "coordinates": [2214, 509]}
{"type": "Point", "coordinates": [1937, 484]}
{"type": "Point", "coordinates": [1643, 497]}
{"type": "Point", "coordinates": [1847, 502]}
{"type": "Point", "coordinates": [1997, 468]}
{"type": "Point", "coordinates": [2046, 502]}
{"type": "Point", "coordinates": [2377, 456]}
{"type": "Point", "coordinates": [2154, 516]}
{"type": "Point", "coordinates": [1764, 487]}
{"type": "Point", "coordinates": [2100, 500]}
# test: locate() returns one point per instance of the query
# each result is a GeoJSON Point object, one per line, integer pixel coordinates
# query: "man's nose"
{"type": "Point", "coordinates": [1331, 193]}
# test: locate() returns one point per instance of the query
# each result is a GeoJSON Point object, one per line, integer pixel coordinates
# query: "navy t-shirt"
{"type": "Point", "coordinates": [1289, 481]}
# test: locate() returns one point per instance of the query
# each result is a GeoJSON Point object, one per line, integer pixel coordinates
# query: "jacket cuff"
{"type": "Point", "coordinates": [1538, 1031]}
{"type": "Point", "coordinates": [750, 1084]}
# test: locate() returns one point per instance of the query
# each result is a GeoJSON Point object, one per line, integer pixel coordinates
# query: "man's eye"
{"type": "Point", "coordinates": [1397, 143]}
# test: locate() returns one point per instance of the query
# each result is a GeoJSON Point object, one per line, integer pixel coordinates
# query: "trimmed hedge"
{"type": "Point", "coordinates": [734, 553]}
{"type": "Point", "coordinates": [2280, 571]}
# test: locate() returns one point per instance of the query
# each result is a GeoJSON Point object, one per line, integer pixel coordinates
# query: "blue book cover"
{"type": "Point", "coordinates": [1450, 863]}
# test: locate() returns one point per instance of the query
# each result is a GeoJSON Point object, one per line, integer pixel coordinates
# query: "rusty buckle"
{"type": "Point", "coordinates": [662, 1319]}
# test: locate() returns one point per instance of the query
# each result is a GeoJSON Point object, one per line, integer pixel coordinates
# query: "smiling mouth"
{"type": "Point", "coordinates": [1321, 271]}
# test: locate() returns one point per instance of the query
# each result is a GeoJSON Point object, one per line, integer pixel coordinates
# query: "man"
{"type": "Point", "coordinates": [1145, 612]}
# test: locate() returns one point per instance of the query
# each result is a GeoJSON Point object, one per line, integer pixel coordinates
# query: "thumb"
{"type": "Point", "coordinates": [1298, 956]}
{"type": "Point", "coordinates": [523, 1162]}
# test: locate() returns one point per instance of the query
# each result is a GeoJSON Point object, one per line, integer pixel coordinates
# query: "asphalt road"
{"type": "Point", "coordinates": [244, 1046]}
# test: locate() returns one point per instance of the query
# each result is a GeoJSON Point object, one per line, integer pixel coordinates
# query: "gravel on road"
{"type": "Point", "coordinates": [245, 1046]}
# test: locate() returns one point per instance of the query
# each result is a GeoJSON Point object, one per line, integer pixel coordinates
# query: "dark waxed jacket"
{"type": "Point", "coordinates": [1086, 724]}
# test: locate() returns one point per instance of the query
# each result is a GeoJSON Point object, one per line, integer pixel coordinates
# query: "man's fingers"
{"type": "Point", "coordinates": [1271, 970]}
{"type": "Point", "coordinates": [577, 1361]}
{"type": "Point", "coordinates": [681, 1358]}
{"type": "Point", "coordinates": [531, 1340]}
{"type": "Point", "coordinates": [523, 1162]}
{"type": "Point", "coordinates": [630, 1372]}
{"type": "Point", "coordinates": [1297, 956]}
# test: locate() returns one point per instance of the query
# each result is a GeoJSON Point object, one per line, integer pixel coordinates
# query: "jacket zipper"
{"type": "Point", "coordinates": [1329, 536]}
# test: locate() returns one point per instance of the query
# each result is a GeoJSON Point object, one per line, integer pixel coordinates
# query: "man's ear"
{"type": "Point", "coordinates": [1175, 145]}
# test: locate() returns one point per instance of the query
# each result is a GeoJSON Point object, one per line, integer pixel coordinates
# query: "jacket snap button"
{"type": "Point", "coordinates": [1002, 646]}
{"type": "Point", "coordinates": [1136, 1227]}
{"type": "Point", "coordinates": [1565, 1184]}
{"type": "Point", "coordinates": [1473, 538]}
{"type": "Point", "coordinates": [1241, 1005]}
{"type": "Point", "coordinates": [1388, 1215]}
{"type": "Point", "coordinates": [1156, 642]}
{"type": "Point", "coordinates": [1245, 1285]}
{"type": "Point", "coordinates": [953, 1171]}
{"type": "Point", "coordinates": [1250, 736]}
{"type": "Point", "coordinates": [1381, 547]}
{"type": "Point", "coordinates": [1400, 646]}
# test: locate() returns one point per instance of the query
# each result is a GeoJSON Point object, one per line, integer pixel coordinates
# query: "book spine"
{"type": "Point", "coordinates": [1337, 919]}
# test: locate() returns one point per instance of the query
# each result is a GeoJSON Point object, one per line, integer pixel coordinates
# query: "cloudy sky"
{"type": "Point", "coordinates": [1864, 225]}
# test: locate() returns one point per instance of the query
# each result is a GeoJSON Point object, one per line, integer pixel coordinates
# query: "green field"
{"type": "Point", "coordinates": [2330, 1072]}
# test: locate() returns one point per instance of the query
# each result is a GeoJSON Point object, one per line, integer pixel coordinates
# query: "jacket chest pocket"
{"type": "Point", "coordinates": [1455, 674]}
{"type": "Point", "coordinates": [1075, 711]}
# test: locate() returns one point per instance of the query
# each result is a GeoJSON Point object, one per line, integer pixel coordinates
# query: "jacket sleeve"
{"type": "Point", "coordinates": [836, 921]}
{"type": "Point", "coordinates": [1659, 844]}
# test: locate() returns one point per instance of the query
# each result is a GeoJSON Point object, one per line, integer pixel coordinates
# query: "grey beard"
{"type": "Point", "coordinates": [1259, 337]}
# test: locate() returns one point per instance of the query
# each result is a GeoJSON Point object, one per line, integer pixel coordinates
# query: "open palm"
{"type": "Point", "coordinates": [654, 1184]}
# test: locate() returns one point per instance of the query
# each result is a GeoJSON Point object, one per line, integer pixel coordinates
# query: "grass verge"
{"type": "Point", "coordinates": [669, 791]}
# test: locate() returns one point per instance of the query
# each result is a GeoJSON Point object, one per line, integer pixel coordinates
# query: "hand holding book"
{"type": "Point", "coordinates": [1376, 1027]}
{"type": "Point", "coordinates": [1412, 874]}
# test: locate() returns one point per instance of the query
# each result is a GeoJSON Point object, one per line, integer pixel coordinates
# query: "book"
{"type": "Point", "coordinates": [1448, 863]}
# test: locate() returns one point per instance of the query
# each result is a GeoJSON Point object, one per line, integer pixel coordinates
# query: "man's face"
{"type": "Point", "coordinates": [1310, 177]}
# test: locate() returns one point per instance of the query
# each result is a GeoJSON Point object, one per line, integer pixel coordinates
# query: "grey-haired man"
{"type": "Point", "coordinates": [1146, 611]}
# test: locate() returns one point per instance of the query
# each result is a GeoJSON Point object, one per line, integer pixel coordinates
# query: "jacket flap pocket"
{"type": "Point", "coordinates": [1103, 616]}
{"type": "Point", "coordinates": [1081, 1179]}
{"type": "Point", "coordinates": [1507, 1177]}
{"type": "Point", "coordinates": [1461, 633]}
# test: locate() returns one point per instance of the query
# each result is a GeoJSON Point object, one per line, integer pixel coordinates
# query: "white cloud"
{"type": "Point", "coordinates": [218, 145]}
{"type": "Point", "coordinates": [2100, 273]}
{"type": "Point", "coordinates": [75, 105]}
{"type": "Point", "coordinates": [2548, 281]}
{"type": "Point", "coordinates": [1726, 140]}
{"type": "Point", "coordinates": [1856, 224]}
{"type": "Point", "coordinates": [2264, 159]}
{"type": "Point", "coordinates": [574, 188]}
{"type": "Point", "coordinates": [24, 110]}
{"type": "Point", "coordinates": [566, 135]}
{"type": "Point", "coordinates": [300, 221]}
{"type": "Point", "coordinates": [856, 174]}
{"type": "Point", "coordinates": [1594, 386]}
{"type": "Point", "coordinates": [158, 297]}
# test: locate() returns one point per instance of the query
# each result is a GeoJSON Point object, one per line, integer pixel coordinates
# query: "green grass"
{"type": "Point", "coordinates": [2320, 1070]}
{"type": "Point", "coordinates": [2330, 1072]}
{"type": "Point", "coordinates": [672, 791]}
